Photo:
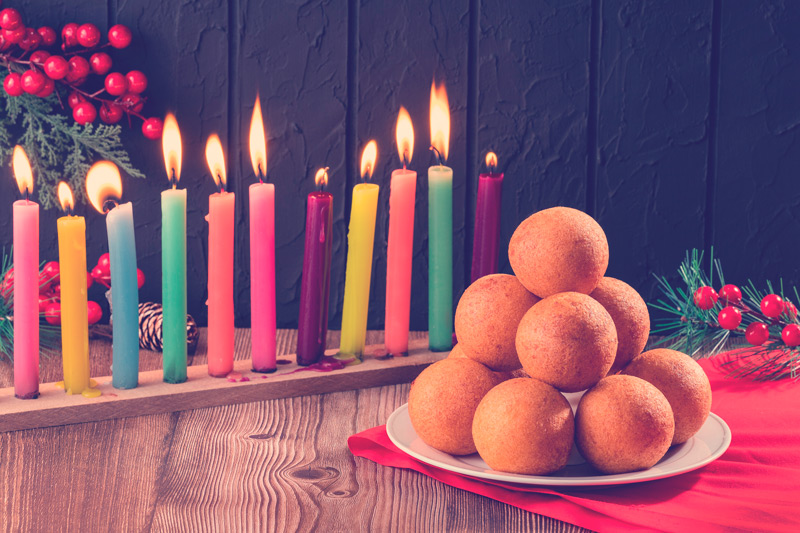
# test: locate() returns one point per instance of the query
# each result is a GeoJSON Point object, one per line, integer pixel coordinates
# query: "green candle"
{"type": "Point", "coordinates": [440, 258]}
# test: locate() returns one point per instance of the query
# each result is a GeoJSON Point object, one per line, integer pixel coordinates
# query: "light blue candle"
{"type": "Point", "coordinates": [124, 297]}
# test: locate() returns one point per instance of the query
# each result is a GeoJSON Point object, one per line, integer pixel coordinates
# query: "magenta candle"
{"type": "Point", "coordinates": [262, 276]}
{"type": "Point", "coordinates": [312, 326]}
{"type": "Point", "coordinates": [486, 243]}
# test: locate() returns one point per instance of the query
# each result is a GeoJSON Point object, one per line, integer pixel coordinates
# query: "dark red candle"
{"type": "Point", "coordinates": [312, 327]}
{"type": "Point", "coordinates": [486, 245]}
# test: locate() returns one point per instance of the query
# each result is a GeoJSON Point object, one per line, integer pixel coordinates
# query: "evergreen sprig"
{"type": "Point", "coordinates": [687, 328]}
{"type": "Point", "coordinates": [58, 148]}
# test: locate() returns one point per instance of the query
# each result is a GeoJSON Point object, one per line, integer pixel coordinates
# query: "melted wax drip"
{"type": "Point", "coordinates": [326, 364]}
{"type": "Point", "coordinates": [233, 377]}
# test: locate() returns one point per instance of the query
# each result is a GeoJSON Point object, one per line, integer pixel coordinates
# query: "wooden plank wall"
{"type": "Point", "coordinates": [674, 124]}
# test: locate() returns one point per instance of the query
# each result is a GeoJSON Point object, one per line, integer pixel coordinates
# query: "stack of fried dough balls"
{"type": "Point", "coordinates": [559, 325]}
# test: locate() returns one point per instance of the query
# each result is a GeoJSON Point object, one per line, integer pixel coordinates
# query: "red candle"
{"type": "Point", "coordinates": [486, 243]}
{"type": "Point", "coordinates": [312, 326]}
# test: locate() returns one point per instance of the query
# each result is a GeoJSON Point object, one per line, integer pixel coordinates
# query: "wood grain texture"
{"type": "Point", "coordinates": [276, 465]}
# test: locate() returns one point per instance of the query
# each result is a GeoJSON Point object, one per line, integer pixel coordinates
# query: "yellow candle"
{"type": "Point", "coordinates": [74, 318]}
{"type": "Point", "coordinates": [360, 239]}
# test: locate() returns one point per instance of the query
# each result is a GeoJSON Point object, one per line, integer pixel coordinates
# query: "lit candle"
{"type": "Point", "coordinates": [262, 252]}
{"type": "Point", "coordinates": [400, 249]}
{"type": "Point", "coordinates": [312, 324]}
{"type": "Point", "coordinates": [486, 243]}
{"type": "Point", "coordinates": [74, 317]}
{"type": "Point", "coordinates": [173, 258]}
{"type": "Point", "coordinates": [440, 227]}
{"type": "Point", "coordinates": [26, 282]}
{"type": "Point", "coordinates": [360, 240]}
{"type": "Point", "coordinates": [103, 184]}
{"type": "Point", "coordinates": [220, 265]}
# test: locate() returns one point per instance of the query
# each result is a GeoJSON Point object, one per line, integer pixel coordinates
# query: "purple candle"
{"type": "Point", "coordinates": [312, 327]}
{"type": "Point", "coordinates": [487, 221]}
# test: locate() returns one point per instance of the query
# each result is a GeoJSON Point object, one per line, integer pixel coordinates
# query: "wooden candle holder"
{"type": "Point", "coordinates": [153, 396]}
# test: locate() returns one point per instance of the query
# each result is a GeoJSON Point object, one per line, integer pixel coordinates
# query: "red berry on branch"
{"type": "Point", "coordinates": [48, 89]}
{"type": "Point", "coordinates": [791, 335]}
{"type": "Point", "coordinates": [13, 84]}
{"type": "Point", "coordinates": [729, 317]}
{"type": "Point", "coordinates": [75, 98]}
{"type": "Point", "coordinates": [44, 301]}
{"type": "Point", "coordinates": [88, 35]}
{"type": "Point", "coordinates": [789, 309]}
{"type": "Point", "coordinates": [151, 128]}
{"type": "Point", "coordinates": [131, 102]}
{"type": "Point", "coordinates": [772, 305]}
{"type": "Point", "coordinates": [7, 285]}
{"type": "Point", "coordinates": [53, 313]}
{"type": "Point", "coordinates": [32, 81]}
{"type": "Point", "coordinates": [139, 278]}
{"type": "Point", "coordinates": [51, 272]}
{"type": "Point", "coordinates": [84, 113]}
{"type": "Point", "coordinates": [69, 35]}
{"type": "Point", "coordinates": [104, 263]}
{"type": "Point", "coordinates": [4, 45]}
{"type": "Point", "coordinates": [39, 57]}
{"type": "Point", "coordinates": [757, 333]}
{"type": "Point", "coordinates": [116, 84]}
{"type": "Point", "coordinates": [100, 277]}
{"type": "Point", "coordinates": [14, 36]}
{"type": "Point", "coordinates": [31, 40]}
{"type": "Point", "coordinates": [56, 67]}
{"type": "Point", "coordinates": [137, 81]}
{"type": "Point", "coordinates": [78, 69]}
{"type": "Point", "coordinates": [110, 113]}
{"type": "Point", "coordinates": [101, 63]}
{"type": "Point", "coordinates": [705, 298]}
{"type": "Point", "coordinates": [10, 19]}
{"type": "Point", "coordinates": [48, 35]}
{"type": "Point", "coordinates": [94, 312]}
{"type": "Point", "coordinates": [119, 36]}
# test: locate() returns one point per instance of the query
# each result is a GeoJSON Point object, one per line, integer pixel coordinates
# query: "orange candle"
{"type": "Point", "coordinates": [220, 265]}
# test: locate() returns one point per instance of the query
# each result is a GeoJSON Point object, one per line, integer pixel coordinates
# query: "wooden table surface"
{"type": "Point", "coordinates": [277, 465]}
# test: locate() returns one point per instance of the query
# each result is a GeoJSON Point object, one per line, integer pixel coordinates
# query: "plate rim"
{"type": "Point", "coordinates": [639, 476]}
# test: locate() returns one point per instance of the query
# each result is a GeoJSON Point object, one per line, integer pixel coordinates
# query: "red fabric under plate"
{"type": "Point", "coordinates": [754, 486]}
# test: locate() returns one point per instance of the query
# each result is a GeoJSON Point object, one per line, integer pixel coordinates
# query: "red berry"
{"type": "Point", "coordinates": [139, 278]}
{"type": "Point", "coordinates": [10, 19]}
{"type": "Point", "coordinates": [729, 317]}
{"type": "Point", "coordinates": [32, 81]}
{"type": "Point", "coordinates": [53, 313]}
{"type": "Point", "coordinates": [757, 333]}
{"type": "Point", "coordinates": [110, 113]}
{"type": "Point", "coordinates": [4, 45]}
{"type": "Point", "coordinates": [14, 36]}
{"type": "Point", "coordinates": [137, 81]}
{"type": "Point", "coordinates": [84, 113]}
{"type": "Point", "coordinates": [705, 298]}
{"type": "Point", "coordinates": [88, 35]}
{"type": "Point", "coordinates": [789, 309]}
{"type": "Point", "coordinates": [48, 35]}
{"type": "Point", "coordinates": [116, 84]}
{"type": "Point", "coordinates": [119, 36]}
{"type": "Point", "coordinates": [75, 98]}
{"type": "Point", "coordinates": [39, 57]}
{"type": "Point", "coordinates": [13, 84]}
{"type": "Point", "coordinates": [48, 89]}
{"type": "Point", "coordinates": [104, 262]}
{"type": "Point", "coordinates": [78, 69]}
{"type": "Point", "coordinates": [7, 285]}
{"type": "Point", "coordinates": [772, 306]}
{"type": "Point", "coordinates": [730, 294]}
{"type": "Point", "coordinates": [791, 335]}
{"type": "Point", "coordinates": [131, 102]}
{"type": "Point", "coordinates": [94, 312]}
{"type": "Point", "coordinates": [152, 128]}
{"type": "Point", "coordinates": [101, 63]}
{"type": "Point", "coordinates": [56, 67]}
{"type": "Point", "coordinates": [100, 277]}
{"type": "Point", "coordinates": [51, 272]}
{"type": "Point", "coordinates": [69, 34]}
{"type": "Point", "coordinates": [31, 40]}
{"type": "Point", "coordinates": [44, 301]}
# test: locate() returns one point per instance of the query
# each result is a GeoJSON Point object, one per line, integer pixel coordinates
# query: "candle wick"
{"type": "Point", "coordinates": [438, 155]}
{"type": "Point", "coordinates": [220, 184]}
{"type": "Point", "coordinates": [261, 174]}
{"type": "Point", "coordinates": [173, 180]}
{"type": "Point", "coordinates": [27, 195]}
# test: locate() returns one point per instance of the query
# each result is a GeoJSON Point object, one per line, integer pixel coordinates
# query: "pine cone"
{"type": "Point", "coordinates": [151, 317]}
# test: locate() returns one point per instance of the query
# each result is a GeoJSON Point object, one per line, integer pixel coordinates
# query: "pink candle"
{"type": "Point", "coordinates": [262, 276]}
{"type": "Point", "coordinates": [486, 243]}
{"type": "Point", "coordinates": [400, 249]}
{"type": "Point", "coordinates": [312, 324]}
{"type": "Point", "coordinates": [220, 266]}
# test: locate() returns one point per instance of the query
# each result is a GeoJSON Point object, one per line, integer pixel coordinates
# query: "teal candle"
{"type": "Point", "coordinates": [173, 283]}
{"type": "Point", "coordinates": [124, 297]}
{"type": "Point", "coordinates": [440, 258]}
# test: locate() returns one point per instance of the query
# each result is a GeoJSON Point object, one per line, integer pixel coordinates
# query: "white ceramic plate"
{"type": "Point", "coordinates": [708, 444]}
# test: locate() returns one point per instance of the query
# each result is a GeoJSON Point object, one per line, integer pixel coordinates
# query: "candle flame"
{"type": "Point", "coordinates": [171, 146]}
{"type": "Point", "coordinates": [404, 135]}
{"type": "Point", "coordinates": [103, 183]}
{"type": "Point", "coordinates": [216, 160]}
{"type": "Point", "coordinates": [491, 160]}
{"type": "Point", "coordinates": [440, 119]}
{"type": "Point", "coordinates": [22, 170]}
{"type": "Point", "coordinates": [65, 197]}
{"type": "Point", "coordinates": [258, 141]}
{"type": "Point", "coordinates": [321, 177]}
{"type": "Point", "coordinates": [368, 158]}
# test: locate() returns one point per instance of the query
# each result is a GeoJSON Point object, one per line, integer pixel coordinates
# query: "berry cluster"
{"type": "Point", "coordinates": [773, 311]}
{"type": "Point", "coordinates": [32, 69]}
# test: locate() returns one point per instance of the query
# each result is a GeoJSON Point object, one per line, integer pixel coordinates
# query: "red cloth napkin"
{"type": "Point", "coordinates": [754, 486]}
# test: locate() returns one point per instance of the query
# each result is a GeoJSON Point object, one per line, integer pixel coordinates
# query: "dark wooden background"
{"type": "Point", "coordinates": [674, 123]}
